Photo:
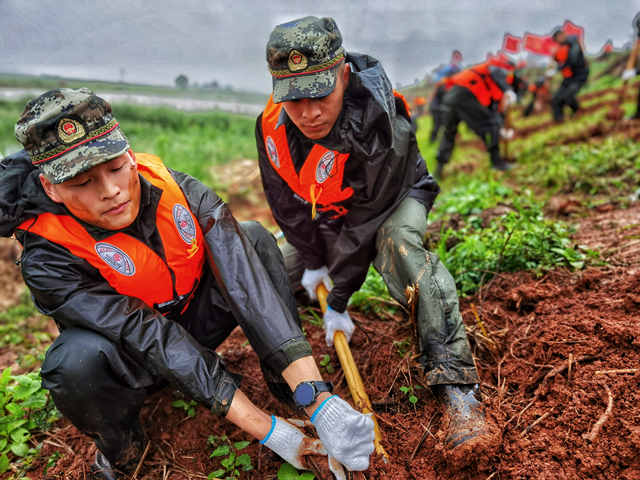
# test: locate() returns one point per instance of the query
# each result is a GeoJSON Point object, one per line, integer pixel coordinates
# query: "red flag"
{"type": "Point", "coordinates": [511, 43]}
{"type": "Point", "coordinates": [571, 28]}
{"type": "Point", "coordinates": [539, 44]}
{"type": "Point", "coordinates": [607, 47]}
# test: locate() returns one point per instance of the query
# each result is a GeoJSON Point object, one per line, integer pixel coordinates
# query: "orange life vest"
{"type": "Point", "coordinates": [477, 79]}
{"type": "Point", "coordinates": [560, 56]}
{"type": "Point", "coordinates": [126, 263]}
{"type": "Point", "coordinates": [320, 179]}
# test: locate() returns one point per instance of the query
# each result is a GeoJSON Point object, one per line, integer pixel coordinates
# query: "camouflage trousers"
{"type": "Point", "coordinates": [403, 262]}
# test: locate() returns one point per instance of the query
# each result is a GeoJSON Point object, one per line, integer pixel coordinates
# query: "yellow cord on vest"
{"type": "Point", "coordinates": [314, 199]}
{"type": "Point", "coordinates": [193, 249]}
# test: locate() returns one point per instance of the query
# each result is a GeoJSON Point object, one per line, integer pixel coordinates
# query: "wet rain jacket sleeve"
{"type": "Point", "coordinates": [263, 315]}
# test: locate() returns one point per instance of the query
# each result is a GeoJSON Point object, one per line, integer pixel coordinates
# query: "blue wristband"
{"type": "Point", "coordinates": [317, 410]}
{"type": "Point", "coordinates": [273, 426]}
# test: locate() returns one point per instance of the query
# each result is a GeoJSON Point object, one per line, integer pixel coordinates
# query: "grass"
{"type": "Point", "coordinates": [189, 142]}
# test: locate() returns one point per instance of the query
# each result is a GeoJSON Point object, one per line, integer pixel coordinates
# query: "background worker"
{"type": "Point", "coordinates": [477, 96]}
{"type": "Point", "coordinates": [571, 62]}
{"type": "Point", "coordinates": [347, 185]}
{"type": "Point", "coordinates": [539, 96]}
{"type": "Point", "coordinates": [439, 89]}
{"type": "Point", "coordinates": [630, 70]}
{"type": "Point", "coordinates": [146, 272]}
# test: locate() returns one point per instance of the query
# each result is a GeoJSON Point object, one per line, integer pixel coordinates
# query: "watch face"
{"type": "Point", "coordinates": [305, 394]}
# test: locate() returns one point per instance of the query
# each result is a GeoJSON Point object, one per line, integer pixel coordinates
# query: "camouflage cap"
{"type": "Point", "coordinates": [303, 57]}
{"type": "Point", "coordinates": [67, 132]}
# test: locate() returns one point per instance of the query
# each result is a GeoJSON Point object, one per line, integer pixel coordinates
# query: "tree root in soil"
{"type": "Point", "coordinates": [595, 430]}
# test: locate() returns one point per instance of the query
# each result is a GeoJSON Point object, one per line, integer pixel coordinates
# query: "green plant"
{"type": "Point", "coordinates": [25, 407]}
{"type": "Point", "coordinates": [288, 472]}
{"type": "Point", "coordinates": [325, 362]}
{"type": "Point", "coordinates": [410, 393]}
{"type": "Point", "coordinates": [230, 461]}
{"type": "Point", "coordinates": [521, 239]}
{"type": "Point", "coordinates": [402, 346]}
{"type": "Point", "coordinates": [373, 295]}
{"type": "Point", "coordinates": [188, 406]}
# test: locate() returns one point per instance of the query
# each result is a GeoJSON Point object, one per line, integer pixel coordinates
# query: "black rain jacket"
{"type": "Point", "coordinates": [74, 293]}
{"type": "Point", "coordinates": [384, 167]}
{"type": "Point", "coordinates": [575, 60]}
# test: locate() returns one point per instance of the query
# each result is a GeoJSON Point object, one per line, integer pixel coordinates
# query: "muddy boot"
{"type": "Point", "coordinates": [122, 457]}
{"type": "Point", "coordinates": [101, 468]}
{"type": "Point", "coordinates": [501, 165]}
{"type": "Point", "coordinates": [464, 415]}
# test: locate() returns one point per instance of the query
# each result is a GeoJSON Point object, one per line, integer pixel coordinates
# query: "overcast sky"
{"type": "Point", "coordinates": [224, 40]}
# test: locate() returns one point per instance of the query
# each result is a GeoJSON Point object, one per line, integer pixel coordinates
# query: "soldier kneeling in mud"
{"type": "Point", "coordinates": [347, 185]}
{"type": "Point", "coordinates": [146, 272]}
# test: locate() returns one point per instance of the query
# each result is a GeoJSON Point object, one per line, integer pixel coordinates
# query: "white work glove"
{"type": "Point", "coordinates": [628, 74]}
{"type": "Point", "coordinates": [312, 278]}
{"type": "Point", "coordinates": [506, 133]}
{"type": "Point", "coordinates": [291, 445]}
{"type": "Point", "coordinates": [550, 72]}
{"type": "Point", "coordinates": [334, 321]}
{"type": "Point", "coordinates": [346, 433]}
{"type": "Point", "coordinates": [509, 98]}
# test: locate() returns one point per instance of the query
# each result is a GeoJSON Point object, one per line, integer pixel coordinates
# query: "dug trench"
{"type": "Point", "coordinates": [558, 355]}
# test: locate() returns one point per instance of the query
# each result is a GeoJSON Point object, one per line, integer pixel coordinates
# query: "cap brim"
{"type": "Point", "coordinates": [314, 85]}
{"type": "Point", "coordinates": [86, 156]}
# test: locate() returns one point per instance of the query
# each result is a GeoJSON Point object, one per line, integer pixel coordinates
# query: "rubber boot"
{"type": "Point", "coordinates": [124, 456]}
{"type": "Point", "coordinates": [101, 468]}
{"type": "Point", "coordinates": [464, 415]}
{"type": "Point", "coordinates": [501, 165]}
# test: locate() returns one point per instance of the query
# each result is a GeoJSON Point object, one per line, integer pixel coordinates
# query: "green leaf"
{"type": "Point", "coordinates": [229, 461]}
{"type": "Point", "coordinates": [216, 474]}
{"type": "Point", "coordinates": [287, 472]}
{"type": "Point", "coordinates": [20, 435]}
{"type": "Point", "coordinates": [20, 449]}
{"type": "Point", "coordinates": [221, 451]}
{"type": "Point", "coordinates": [4, 463]}
{"type": "Point", "coordinates": [244, 461]}
{"type": "Point", "coordinates": [241, 445]}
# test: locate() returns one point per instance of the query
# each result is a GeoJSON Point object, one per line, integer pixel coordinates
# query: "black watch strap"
{"type": "Point", "coordinates": [307, 392]}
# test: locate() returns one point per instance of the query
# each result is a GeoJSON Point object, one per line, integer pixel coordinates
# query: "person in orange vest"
{"type": "Point", "coordinates": [477, 95]}
{"type": "Point", "coordinates": [145, 272]}
{"type": "Point", "coordinates": [539, 94]}
{"type": "Point", "coordinates": [630, 70]}
{"type": "Point", "coordinates": [571, 62]}
{"type": "Point", "coordinates": [418, 106]}
{"type": "Point", "coordinates": [346, 183]}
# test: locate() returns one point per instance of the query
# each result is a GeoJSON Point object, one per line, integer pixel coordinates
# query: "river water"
{"type": "Point", "coordinates": [186, 104]}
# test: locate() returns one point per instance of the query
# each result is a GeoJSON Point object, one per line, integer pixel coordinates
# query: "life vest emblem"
{"type": "Point", "coordinates": [116, 258]}
{"type": "Point", "coordinates": [325, 166]}
{"type": "Point", "coordinates": [272, 151]}
{"type": "Point", "coordinates": [184, 223]}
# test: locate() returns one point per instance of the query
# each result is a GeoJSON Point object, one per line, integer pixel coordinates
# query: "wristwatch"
{"type": "Point", "coordinates": [307, 392]}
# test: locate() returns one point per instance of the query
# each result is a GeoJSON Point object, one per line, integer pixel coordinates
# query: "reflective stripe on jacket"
{"type": "Point", "coordinates": [126, 263]}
